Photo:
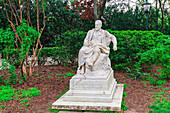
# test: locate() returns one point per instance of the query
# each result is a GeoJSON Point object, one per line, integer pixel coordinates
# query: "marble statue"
{"type": "Point", "coordinates": [94, 55]}
{"type": "Point", "coordinates": [94, 86]}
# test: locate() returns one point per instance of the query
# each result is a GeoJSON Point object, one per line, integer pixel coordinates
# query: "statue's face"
{"type": "Point", "coordinates": [98, 25]}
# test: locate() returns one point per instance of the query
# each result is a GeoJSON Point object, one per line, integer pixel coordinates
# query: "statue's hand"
{"type": "Point", "coordinates": [114, 48]}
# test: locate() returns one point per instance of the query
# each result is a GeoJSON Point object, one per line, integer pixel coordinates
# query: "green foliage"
{"type": "Point", "coordinates": [58, 54]}
{"type": "Point", "coordinates": [28, 35]}
{"type": "Point", "coordinates": [123, 106]}
{"type": "Point", "coordinates": [161, 105]}
{"type": "Point", "coordinates": [30, 92]}
{"type": "Point", "coordinates": [68, 75]}
{"type": "Point", "coordinates": [59, 74]}
{"type": "Point", "coordinates": [72, 41]}
{"type": "Point", "coordinates": [24, 100]}
{"type": "Point", "coordinates": [156, 56]}
{"type": "Point", "coordinates": [134, 73]}
{"type": "Point", "coordinates": [11, 71]}
{"type": "Point", "coordinates": [9, 93]}
{"type": "Point", "coordinates": [7, 42]}
{"type": "Point", "coordinates": [1, 79]}
{"type": "Point", "coordinates": [6, 93]}
{"type": "Point", "coordinates": [59, 20]}
{"type": "Point", "coordinates": [130, 44]}
{"type": "Point", "coordinates": [134, 18]}
{"type": "Point", "coordinates": [14, 57]}
{"type": "Point", "coordinates": [65, 75]}
{"type": "Point", "coordinates": [67, 48]}
{"type": "Point", "coordinates": [155, 81]}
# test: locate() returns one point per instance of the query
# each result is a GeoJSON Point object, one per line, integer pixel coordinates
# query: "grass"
{"type": "Point", "coordinates": [65, 75]}
{"type": "Point", "coordinates": [24, 96]}
{"type": "Point", "coordinates": [161, 103]}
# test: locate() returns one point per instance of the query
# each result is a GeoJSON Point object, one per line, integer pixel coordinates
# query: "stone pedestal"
{"type": "Point", "coordinates": [98, 91]}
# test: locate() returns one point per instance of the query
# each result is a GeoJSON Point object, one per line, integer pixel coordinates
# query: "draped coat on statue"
{"type": "Point", "coordinates": [94, 43]}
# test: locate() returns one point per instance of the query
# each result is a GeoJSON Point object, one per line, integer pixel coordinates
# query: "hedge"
{"type": "Point", "coordinates": [130, 43]}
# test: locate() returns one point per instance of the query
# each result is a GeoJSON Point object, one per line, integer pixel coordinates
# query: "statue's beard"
{"type": "Point", "coordinates": [97, 29]}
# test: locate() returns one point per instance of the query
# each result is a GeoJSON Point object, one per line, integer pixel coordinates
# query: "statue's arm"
{"type": "Point", "coordinates": [86, 41]}
{"type": "Point", "coordinates": [113, 39]}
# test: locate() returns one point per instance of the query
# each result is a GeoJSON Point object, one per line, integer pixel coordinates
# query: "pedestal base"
{"type": "Point", "coordinates": [96, 91]}
{"type": "Point", "coordinates": [115, 105]}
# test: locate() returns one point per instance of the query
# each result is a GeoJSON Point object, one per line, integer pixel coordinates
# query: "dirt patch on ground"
{"type": "Point", "coordinates": [51, 86]}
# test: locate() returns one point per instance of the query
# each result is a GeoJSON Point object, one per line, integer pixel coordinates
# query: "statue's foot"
{"type": "Point", "coordinates": [80, 70]}
{"type": "Point", "coordinates": [90, 67]}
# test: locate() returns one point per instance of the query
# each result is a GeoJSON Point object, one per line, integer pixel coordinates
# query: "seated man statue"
{"type": "Point", "coordinates": [95, 51]}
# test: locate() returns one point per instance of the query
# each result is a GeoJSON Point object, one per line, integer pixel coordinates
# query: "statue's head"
{"type": "Point", "coordinates": [98, 24]}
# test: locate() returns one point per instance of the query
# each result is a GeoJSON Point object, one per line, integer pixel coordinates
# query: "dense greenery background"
{"type": "Point", "coordinates": [63, 36]}
{"type": "Point", "coordinates": [59, 19]}
{"type": "Point", "coordinates": [65, 31]}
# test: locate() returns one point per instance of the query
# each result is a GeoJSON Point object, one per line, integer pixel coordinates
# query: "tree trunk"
{"type": "Point", "coordinates": [162, 20]}
{"type": "Point", "coordinates": [156, 15]}
{"type": "Point", "coordinates": [95, 10]}
{"type": "Point", "coordinates": [102, 9]}
{"type": "Point", "coordinates": [161, 5]}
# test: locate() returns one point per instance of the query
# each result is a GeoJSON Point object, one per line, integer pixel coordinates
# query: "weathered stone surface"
{"type": "Point", "coordinates": [115, 105]}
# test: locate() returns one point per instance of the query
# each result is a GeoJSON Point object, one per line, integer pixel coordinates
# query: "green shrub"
{"type": "Point", "coordinates": [11, 70]}
{"type": "Point", "coordinates": [130, 43]}
{"type": "Point", "coordinates": [58, 54]}
{"type": "Point", "coordinates": [159, 55]}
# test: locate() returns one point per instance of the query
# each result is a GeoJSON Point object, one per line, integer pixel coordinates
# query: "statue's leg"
{"type": "Point", "coordinates": [81, 69]}
{"type": "Point", "coordinates": [90, 61]}
{"type": "Point", "coordinates": [96, 54]}
{"type": "Point", "coordinates": [82, 56]}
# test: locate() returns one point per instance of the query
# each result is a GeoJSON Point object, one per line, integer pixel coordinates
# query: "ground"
{"type": "Point", "coordinates": [51, 85]}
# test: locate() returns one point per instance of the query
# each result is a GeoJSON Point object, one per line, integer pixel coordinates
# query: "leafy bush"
{"type": "Point", "coordinates": [7, 42]}
{"type": "Point", "coordinates": [68, 46]}
{"type": "Point", "coordinates": [130, 43]}
{"type": "Point", "coordinates": [156, 56]}
{"type": "Point", "coordinates": [11, 71]}
{"type": "Point", "coordinates": [58, 54]}
{"type": "Point", "coordinates": [12, 55]}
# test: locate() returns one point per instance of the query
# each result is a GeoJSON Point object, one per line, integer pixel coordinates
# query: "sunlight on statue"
{"type": "Point", "coordinates": [94, 55]}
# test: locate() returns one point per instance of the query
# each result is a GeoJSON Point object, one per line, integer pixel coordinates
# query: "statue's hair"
{"type": "Point", "coordinates": [98, 21]}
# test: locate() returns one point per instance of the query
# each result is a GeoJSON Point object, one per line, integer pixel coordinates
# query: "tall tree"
{"type": "Point", "coordinates": [23, 41]}
{"type": "Point", "coordinates": [162, 7]}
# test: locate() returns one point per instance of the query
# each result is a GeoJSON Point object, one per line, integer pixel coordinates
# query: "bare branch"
{"type": "Point", "coordinates": [12, 25]}
{"type": "Point", "coordinates": [10, 5]}
{"type": "Point", "coordinates": [28, 13]}
{"type": "Point", "coordinates": [15, 9]}
{"type": "Point", "coordinates": [20, 11]}
{"type": "Point", "coordinates": [37, 16]}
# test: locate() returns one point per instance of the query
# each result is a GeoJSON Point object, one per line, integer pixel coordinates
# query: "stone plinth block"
{"type": "Point", "coordinates": [98, 91]}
